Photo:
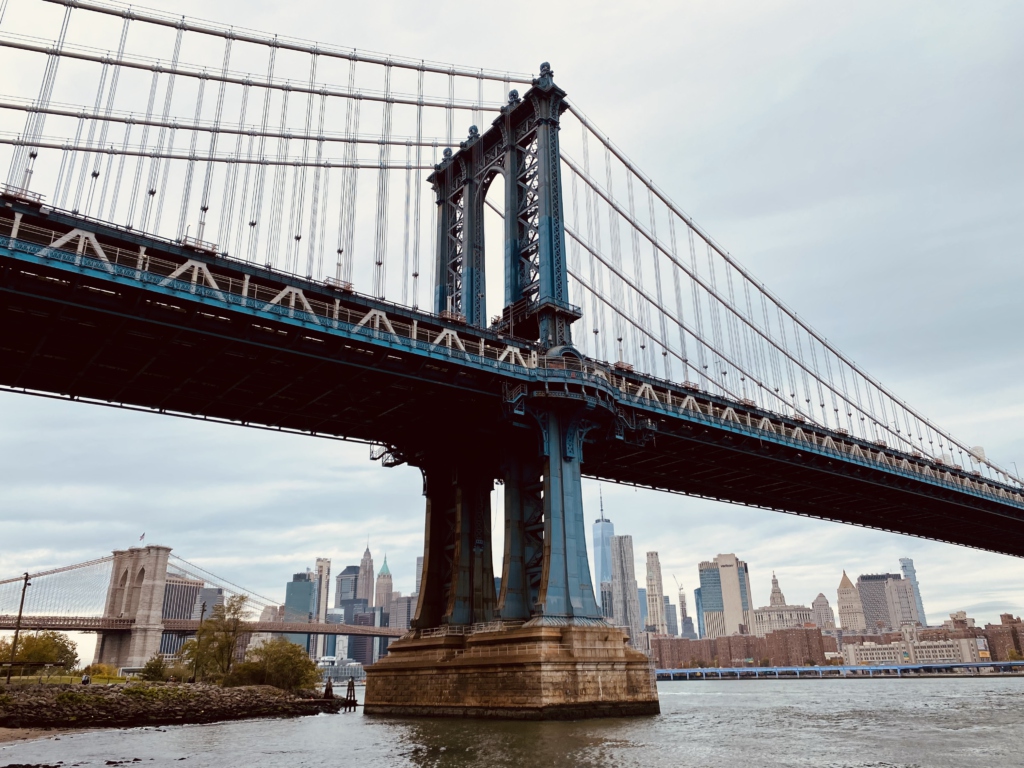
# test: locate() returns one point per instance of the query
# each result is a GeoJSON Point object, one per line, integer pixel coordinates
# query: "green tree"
{"type": "Point", "coordinates": [212, 653]}
{"type": "Point", "coordinates": [279, 663]}
{"type": "Point", "coordinates": [155, 669]}
{"type": "Point", "coordinates": [46, 645]}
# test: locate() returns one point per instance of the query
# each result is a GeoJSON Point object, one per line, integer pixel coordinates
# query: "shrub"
{"type": "Point", "coordinates": [155, 669]}
{"type": "Point", "coordinates": [279, 663]}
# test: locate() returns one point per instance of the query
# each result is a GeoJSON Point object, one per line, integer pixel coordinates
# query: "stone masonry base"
{"type": "Point", "coordinates": [528, 673]}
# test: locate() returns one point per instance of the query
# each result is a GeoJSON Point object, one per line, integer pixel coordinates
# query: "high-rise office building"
{"type": "Point", "coordinates": [851, 611]}
{"type": "Point", "coordinates": [419, 573]}
{"type": "Point", "coordinates": [207, 599]}
{"type": "Point", "coordinates": [607, 606]}
{"type": "Point", "coordinates": [871, 587]}
{"type": "Point", "coordinates": [685, 620]}
{"type": "Point", "coordinates": [364, 587]}
{"type": "Point", "coordinates": [698, 609]}
{"type": "Point", "coordinates": [382, 598]}
{"type": "Point", "coordinates": [725, 594]}
{"type": "Point", "coordinates": [625, 603]}
{"type": "Point", "coordinates": [823, 615]}
{"type": "Point", "coordinates": [910, 574]}
{"type": "Point", "coordinates": [779, 614]}
{"type": "Point", "coordinates": [603, 532]}
{"type": "Point", "coordinates": [641, 598]}
{"type": "Point", "coordinates": [401, 613]}
{"type": "Point", "coordinates": [322, 576]}
{"type": "Point", "coordinates": [300, 604]}
{"type": "Point", "coordinates": [346, 587]}
{"type": "Point", "coordinates": [899, 599]}
{"type": "Point", "coordinates": [179, 600]}
{"type": "Point", "coordinates": [655, 596]}
{"type": "Point", "coordinates": [670, 618]}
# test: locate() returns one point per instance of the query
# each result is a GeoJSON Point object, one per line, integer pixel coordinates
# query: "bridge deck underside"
{"type": "Point", "coordinates": [74, 336]}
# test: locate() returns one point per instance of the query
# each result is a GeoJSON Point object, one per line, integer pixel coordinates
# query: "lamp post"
{"type": "Point", "coordinates": [195, 659]}
{"type": "Point", "coordinates": [17, 627]}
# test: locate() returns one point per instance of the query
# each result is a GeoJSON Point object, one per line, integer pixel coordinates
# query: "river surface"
{"type": "Point", "coordinates": [739, 724]}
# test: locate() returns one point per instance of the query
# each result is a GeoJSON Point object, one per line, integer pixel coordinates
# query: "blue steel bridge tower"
{"type": "Point", "coordinates": [546, 572]}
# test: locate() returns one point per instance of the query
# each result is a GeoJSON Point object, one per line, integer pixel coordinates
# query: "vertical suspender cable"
{"type": "Point", "coordinates": [191, 162]}
{"type": "Point", "coordinates": [24, 157]}
{"type": "Point", "coordinates": [381, 239]}
{"type": "Point", "coordinates": [256, 208]}
{"type": "Point", "coordinates": [405, 239]}
{"type": "Point", "coordinates": [278, 186]}
{"type": "Point", "coordinates": [154, 167]}
{"type": "Point", "coordinates": [139, 163]}
{"type": "Point", "coordinates": [83, 173]}
{"type": "Point", "coordinates": [299, 183]}
{"type": "Point", "coordinates": [227, 206]}
{"type": "Point", "coordinates": [315, 245]}
{"type": "Point", "coordinates": [102, 142]}
{"type": "Point", "coordinates": [204, 203]}
{"type": "Point", "coordinates": [419, 187]}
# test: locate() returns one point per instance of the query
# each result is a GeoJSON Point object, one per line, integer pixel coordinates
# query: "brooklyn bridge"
{"type": "Point", "coordinates": [182, 232]}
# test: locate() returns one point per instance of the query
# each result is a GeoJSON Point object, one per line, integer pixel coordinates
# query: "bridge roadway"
{"type": "Point", "coordinates": [117, 317]}
{"type": "Point", "coordinates": [185, 626]}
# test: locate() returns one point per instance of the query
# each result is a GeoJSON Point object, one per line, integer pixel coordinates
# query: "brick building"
{"type": "Point", "coordinates": [796, 647]}
{"type": "Point", "coordinates": [679, 653]}
{"type": "Point", "coordinates": [1005, 639]}
{"type": "Point", "coordinates": [740, 650]}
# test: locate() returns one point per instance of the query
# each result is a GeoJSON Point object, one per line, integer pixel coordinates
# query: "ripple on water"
{"type": "Point", "coordinates": [704, 724]}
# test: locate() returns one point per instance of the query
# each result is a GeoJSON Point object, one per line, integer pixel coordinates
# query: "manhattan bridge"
{"type": "Point", "coordinates": [211, 222]}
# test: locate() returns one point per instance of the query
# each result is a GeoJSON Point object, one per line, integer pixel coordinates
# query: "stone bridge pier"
{"type": "Point", "coordinates": [136, 591]}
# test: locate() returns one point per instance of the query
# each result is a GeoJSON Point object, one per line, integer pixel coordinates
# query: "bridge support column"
{"type": "Point", "coordinates": [457, 584]}
{"type": "Point", "coordinates": [551, 655]}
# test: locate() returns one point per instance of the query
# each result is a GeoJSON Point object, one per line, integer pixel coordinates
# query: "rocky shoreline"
{"type": "Point", "coordinates": [138, 704]}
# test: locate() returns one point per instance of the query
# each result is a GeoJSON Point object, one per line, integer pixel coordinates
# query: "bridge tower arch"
{"type": "Point", "coordinates": [138, 579]}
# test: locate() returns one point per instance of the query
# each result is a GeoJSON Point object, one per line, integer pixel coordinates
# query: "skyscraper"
{"type": "Point", "coordinates": [364, 587]}
{"type": "Point", "coordinates": [655, 596]}
{"type": "Point", "coordinates": [823, 615]}
{"type": "Point", "coordinates": [322, 576]}
{"type": "Point", "coordinates": [348, 581]}
{"type": "Point", "coordinates": [899, 600]}
{"type": "Point", "coordinates": [698, 608]}
{"type": "Point", "coordinates": [725, 593]}
{"type": "Point", "coordinates": [603, 532]}
{"type": "Point", "coordinates": [685, 621]}
{"type": "Point", "coordinates": [670, 618]}
{"type": "Point", "coordinates": [871, 587]}
{"type": "Point", "coordinates": [607, 606]}
{"type": "Point", "coordinates": [625, 605]}
{"type": "Point", "coordinates": [910, 574]}
{"type": "Point", "coordinates": [382, 598]}
{"type": "Point", "coordinates": [300, 604]}
{"type": "Point", "coordinates": [851, 610]}
{"type": "Point", "coordinates": [641, 599]}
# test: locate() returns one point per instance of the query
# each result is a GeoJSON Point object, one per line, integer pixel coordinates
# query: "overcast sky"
{"type": "Point", "coordinates": [864, 160]}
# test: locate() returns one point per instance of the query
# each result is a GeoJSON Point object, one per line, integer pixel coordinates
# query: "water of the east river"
{"type": "Point", "coordinates": [929, 723]}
